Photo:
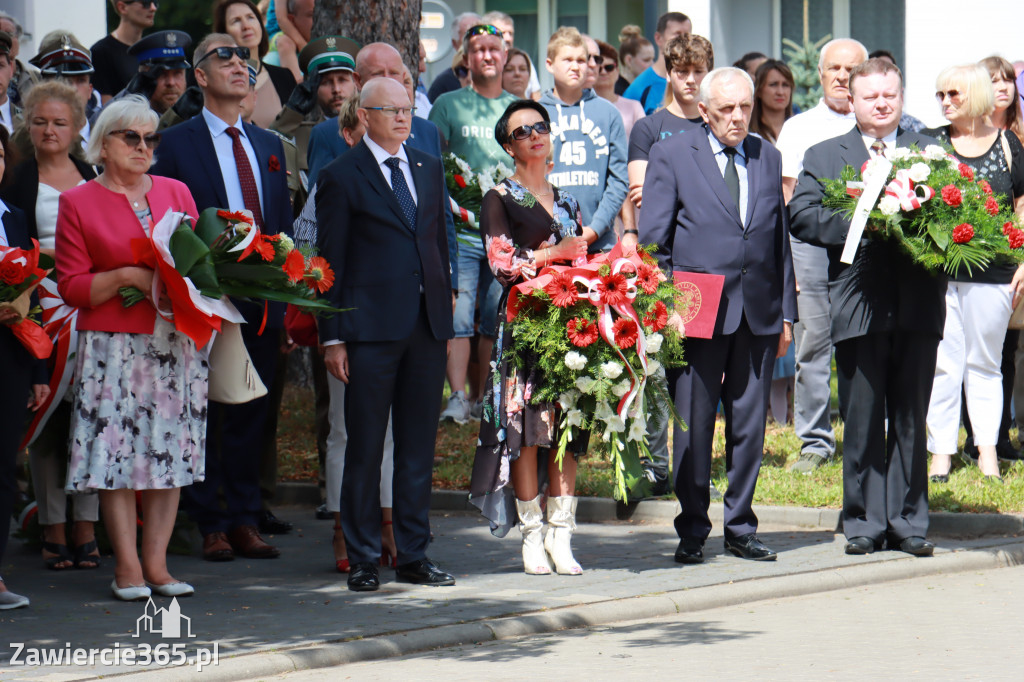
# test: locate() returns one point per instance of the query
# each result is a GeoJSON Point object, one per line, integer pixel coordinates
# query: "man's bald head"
{"type": "Point", "coordinates": [376, 60]}
{"type": "Point", "coordinates": [383, 92]}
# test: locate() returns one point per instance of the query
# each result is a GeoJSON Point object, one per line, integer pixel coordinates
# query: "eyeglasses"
{"type": "Point", "coordinates": [392, 112]}
{"type": "Point", "coordinates": [483, 30]}
{"type": "Point", "coordinates": [226, 53]}
{"type": "Point", "coordinates": [596, 58]}
{"type": "Point", "coordinates": [152, 3]}
{"type": "Point", "coordinates": [132, 138]}
{"type": "Point", "coordinates": [609, 67]}
{"type": "Point", "coordinates": [524, 132]}
{"type": "Point", "coordinates": [953, 94]}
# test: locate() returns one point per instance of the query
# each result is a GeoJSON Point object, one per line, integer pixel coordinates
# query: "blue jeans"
{"type": "Point", "coordinates": [474, 274]}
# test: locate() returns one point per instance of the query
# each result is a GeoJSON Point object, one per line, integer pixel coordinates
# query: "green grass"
{"type": "Point", "coordinates": [967, 491]}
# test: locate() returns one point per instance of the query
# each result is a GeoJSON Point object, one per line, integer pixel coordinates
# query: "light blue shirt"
{"type": "Point", "coordinates": [222, 145]}
{"type": "Point", "coordinates": [718, 149]}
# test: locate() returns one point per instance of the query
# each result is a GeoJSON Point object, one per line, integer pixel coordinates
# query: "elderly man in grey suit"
{"type": "Point", "coordinates": [713, 204]}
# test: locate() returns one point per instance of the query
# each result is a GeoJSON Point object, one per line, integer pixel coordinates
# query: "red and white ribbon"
{"type": "Point", "coordinates": [904, 189]}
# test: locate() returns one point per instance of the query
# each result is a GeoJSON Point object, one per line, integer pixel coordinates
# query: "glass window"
{"type": "Point", "coordinates": [803, 20]}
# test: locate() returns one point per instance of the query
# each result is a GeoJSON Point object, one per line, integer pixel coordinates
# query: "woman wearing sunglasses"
{"type": "Point", "coordinates": [139, 413]}
{"type": "Point", "coordinates": [607, 76]}
{"type": "Point", "coordinates": [527, 224]}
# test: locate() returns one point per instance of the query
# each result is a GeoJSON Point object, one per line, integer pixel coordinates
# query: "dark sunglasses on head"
{"type": "Point", "coordinates": [596, 58]}
{"type": "Point", "coordinates": [461, 72]}
{"type": "Point", "coordinates": [226, 53]}
{"type": "Point", "coordinates": [484, 30]}
{"type": "Point", "coordinates": [152, 3]}
{"type": "Point", "coordinates": [953, 94]}
{"type": "Point", "coordinates": [132, 138]}
{"type": "Point", "coordinates": [609, 67]}
{"type": "Point", "coordinates": [524, 132]}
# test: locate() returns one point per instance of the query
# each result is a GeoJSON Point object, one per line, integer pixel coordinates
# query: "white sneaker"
{"type": "Point", "coordinates": [9, 600]}
{"type": "Point", "coordinates": [457, 409]}
{"type": "Point", "coordinates": [477, 411]}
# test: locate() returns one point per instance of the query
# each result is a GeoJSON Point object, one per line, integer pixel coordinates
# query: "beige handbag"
{"type": "Point", "coordinates": [233, 378]}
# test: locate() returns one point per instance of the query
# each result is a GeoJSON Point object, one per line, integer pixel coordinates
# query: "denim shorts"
{"type": "Point", "coordinates": [475, 273]}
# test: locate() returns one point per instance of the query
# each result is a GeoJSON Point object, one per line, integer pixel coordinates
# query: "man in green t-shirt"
{"type": "Point", "coordinates": [466, 118]}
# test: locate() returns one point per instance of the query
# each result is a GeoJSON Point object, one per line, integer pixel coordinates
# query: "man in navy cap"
{"type": "Point", "coordinates": [162, 64]}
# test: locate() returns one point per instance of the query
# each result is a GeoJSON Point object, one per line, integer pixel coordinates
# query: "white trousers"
{"type": "Point", "coordinates": [970, 354]}
{"type": "Point", "coordinates": [337, 441]}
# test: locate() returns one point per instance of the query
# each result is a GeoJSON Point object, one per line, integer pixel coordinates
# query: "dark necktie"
{"type": "Point", "coordinates": [878, 148]}
{"type": "Point", "coordinates": [250, 195]}
{"type": "Point", "coordinates": [732, 176]}
{"type": "Point", "coordinates": [401, 190]}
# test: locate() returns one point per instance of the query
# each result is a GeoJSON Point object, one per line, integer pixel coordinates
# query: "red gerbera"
{"type": "Point", "coordinates": [966, 172]}
{"type": "Point", "coordinates": [562, 290]}
{"type": "Point", "coordinates": [625, 331]}
{"type": "Point", "coordinates": [951, 195]}
{"type": "Point", "coordinates": [581, 332]}
{"type": "Point", "coordinates": [985, 187]}
{"type": "Point", "coordinates": [647, 278]}
{"type": "Point", "coordinates": [1007, 227]}
{"type": "Point", "coordinates": [294, 265]}
{"type": "Point", "coordinates": [319, 275]}
{"type": "Point", "coordinates": [1015, 237]}
{"type": "Point", "coordinates": [264, 246]}
{"type": "Point", "coordinates": [963, 233]}
{"type": "Point", "coordinates": [612, 289]}
{"type": "Point", "coordinates": [992, 206]}
{"type": "Point", "coordinates": [657, 317]}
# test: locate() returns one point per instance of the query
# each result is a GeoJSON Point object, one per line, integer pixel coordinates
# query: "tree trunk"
{"type": "Point", "coordinates": [370, 21]}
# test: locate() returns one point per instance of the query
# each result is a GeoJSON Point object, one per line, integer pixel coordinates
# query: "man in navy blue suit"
{"type": "Point", "coordinates": [713, 204]}
{"type": "Point", "coordinates": [234, 165]}
{"type": "Point", "coordinates": [380, 210]}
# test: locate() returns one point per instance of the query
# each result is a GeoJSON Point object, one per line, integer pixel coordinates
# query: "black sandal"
{"type": "Point", "coordinates": [62, 555]}
{"type": "Point", "coordinates": [84, 554]}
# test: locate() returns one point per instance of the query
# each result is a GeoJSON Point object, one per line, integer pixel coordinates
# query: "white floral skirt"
{"type": "Point", "coordinates": [139, 414]}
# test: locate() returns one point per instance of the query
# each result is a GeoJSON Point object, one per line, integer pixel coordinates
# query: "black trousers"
{"type": "Point", "coordinates": [405, 377]}
{"type": "Point", "coordinates": [746, 361]}
{"type": "Point", "coordinates": [885, 474]}
{"type": "Point", "coordinates": [17, 382]}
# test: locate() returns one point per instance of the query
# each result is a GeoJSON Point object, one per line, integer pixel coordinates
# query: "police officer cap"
{"type": "Point", "coordinates": [162, 49]}
{"type": "Point", "coordinates": [329, 53]}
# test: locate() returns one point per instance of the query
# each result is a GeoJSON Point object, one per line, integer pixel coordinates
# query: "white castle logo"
{"type": "Point", "coordinates": [166, 622]}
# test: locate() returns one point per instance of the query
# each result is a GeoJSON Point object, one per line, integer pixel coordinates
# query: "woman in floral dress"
{"type": "Point", "coordinates": [527, 224]}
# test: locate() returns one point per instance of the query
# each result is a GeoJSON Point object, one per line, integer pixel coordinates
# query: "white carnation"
{"type": "Point", "coordinates": [574, 417]}
{"type": "Point", "coordinates": [875, 166]}
{"type": "Point", "coordinates": [934, 152]}
{"type": "Point", "coordinates": [611, 369]}
{"type": "Point", "coordinates": [463, 166]}
{"type": "Point", "coordinates": [620, 389]}
{"type": "Point", "coordinates": [919, 172]}
{"type": "Point", "coordinates": [568, 399]}
{"type": "Point", "coordinates": [485, 181]}
{"type": "Point", "coordinates": [654, 343]}
{"type": "Point", "coordinates": [889, 205]}
{"type": "Point", "coordinates": [901, 154]}
{"type": "Point", "coordinates": [652, 366]}
{"type": "Point", "coordinates": [604, 411]}
{"type": "Point", "coordinates": [286, 243]}
{"type": "Point", "coordinates": [575, 361]}
{"type": "Point", "coordinates": [586, 385]}
{"type": "Point", "coordinates": [502, 171]}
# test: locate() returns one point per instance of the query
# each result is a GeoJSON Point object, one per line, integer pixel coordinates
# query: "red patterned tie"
{"type": "Point", "coordinates": [250, 194]}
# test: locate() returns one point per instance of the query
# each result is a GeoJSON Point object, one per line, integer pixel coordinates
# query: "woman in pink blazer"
{"type": "Point", "coordinates": [139, 416]}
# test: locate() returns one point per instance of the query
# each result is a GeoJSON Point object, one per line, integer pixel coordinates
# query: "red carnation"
{"type": "Point", "coordinates": [647, 278]}
{"type": "Point", "coordinates": [625, 331]}
{"type": "Point", "coordinates": [966, 172]}
{"type": "Point", "coordinates": [1015, 237]}
{"type": "Point", "coordinates": [992, 206]}
{"type": "Point", "coordinates": [985, 187]}
{"type": "Point", "coordinates": [562, 290]}
{"type": "Point", "coordinates": [581, 332]}
{"type": "Point", "coordinates": [460, 181]}
{"type": "Point", "coordinates": [612, 289]}
{"type": "Point", "coordinates": [1007, 227]}
{"type": "Point", "coordinates": [963, 233]}
{"type": "Point", "coordinates": [657, 317]}
{"type": "Point", "coordinates": [294, 265]}
{"type": "Point", "coordinates": [951, 195]}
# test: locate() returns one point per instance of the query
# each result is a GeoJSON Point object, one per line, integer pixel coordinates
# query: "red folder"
{"type": "Point", "coordinates": [701, 294]}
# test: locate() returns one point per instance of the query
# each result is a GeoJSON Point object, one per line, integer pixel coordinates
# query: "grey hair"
{"type": "Point", "coordinates": [18, 29]}
{"type": "Point", "coordinates": [118, 114]}
{"type": "Point", "coordinates": [495, 15]}
{"type": "Point", "coordinates": [835, 41]}
{"type": "Point", "coordinates": [457, 23]}
{"type": "Point", "coordinates": [728, 72]}
{"type": "Point", "coordinates": [204, 45]}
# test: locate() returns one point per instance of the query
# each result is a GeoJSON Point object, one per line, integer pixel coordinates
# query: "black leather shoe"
{"type": "Point", "coordinates": [1005, 451]}
{"type": "Point", "coordinates": [860, 545]}
{"type": "Point", "coordinates": [362, 577]}
{"type": "Point", "coordinates": [690, 551]}
{"type": "Point", "coordinates": [917, 546]}
{"type": "Point", "coordinates": [322, 513]}
{"type": "Point", "coordinates": [271, 525]}
{"type": "Point", "coordinates": [423, 572]}
{"type": "Point", "coordinates": [749, 547]}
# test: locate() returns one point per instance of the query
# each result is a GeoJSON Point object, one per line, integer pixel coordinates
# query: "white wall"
{"type": "Point", "coordinates": [943, 33]}
{"type": "Point", "coordinates": [86, 19]}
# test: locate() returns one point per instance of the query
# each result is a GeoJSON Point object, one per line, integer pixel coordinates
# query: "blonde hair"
{"type": "Point", "coordinates": [60, 91]}
{"type": "Point", "coordinates": [118, 114]}
{"type": "Point", "coordinates": [565, 36]}
{"type": "Point", "coordinates": [347, 118]}
{"type": "Point", "coordinates": [974, 81]}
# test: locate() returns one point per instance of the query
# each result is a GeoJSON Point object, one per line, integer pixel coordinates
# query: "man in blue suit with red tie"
{"type": "Point", "coordinates": [233, 165]}
{"type": "Point", "coordinates": [713, 204]}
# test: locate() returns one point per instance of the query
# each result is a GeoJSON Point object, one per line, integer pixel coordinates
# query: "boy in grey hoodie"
{"type": "Point", "coordinates": [588, 140]}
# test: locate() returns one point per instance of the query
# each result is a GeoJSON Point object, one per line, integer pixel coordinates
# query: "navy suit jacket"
{"type": "Point", "coordinates": [186, 153]}
{"type": "Point", "coordinates": [326, 144]}
{"type": "Point", "coordinates": [380, 261]}
{"type": "Point", "coordinates": [689, 213]}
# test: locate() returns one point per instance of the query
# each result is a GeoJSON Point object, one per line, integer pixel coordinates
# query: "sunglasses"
{"type": "Point", "coordinates": [609, 67]}
{"type": "Point", "coordinates": [226, 53]}
{"type": "Point", "coordinates": [461, 72]}
{"type": "Point", "coordinates": [132, 138]}
{"type": "Point", "coordinates": [392, 112]}
{"type": "Point", "coordinates": [524, 132]}
{"type": "Point", "coordinates": [152, 3]}
{"type": "Point", "coordinates": [596, 58]}
{"type": "Point", "coordinates": [484, 30]}
{"type": "Point", "coordinates": [953, 94]}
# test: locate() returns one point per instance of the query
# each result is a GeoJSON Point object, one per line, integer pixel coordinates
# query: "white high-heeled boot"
{"type": "Point", "coordinates": [531, 525]}
{"type": "Point", "coordinates": [561, 524]}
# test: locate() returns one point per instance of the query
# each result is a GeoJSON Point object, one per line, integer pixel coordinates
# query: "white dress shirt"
{"type": "Point", "coordinates": [807, 129]}
{"type": "Point", "coordinates": [3, 233]}
{"type": "Point", "coordinates": [381, 155]}
{"type": "Point", "coordinates": [718, 149]}
{"type": "Point", "coordinates": [222, 145]}
{"type": "Point", "coordinates": [889, 141]}
{"type": "Point", "coordinates": [5, 117]}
